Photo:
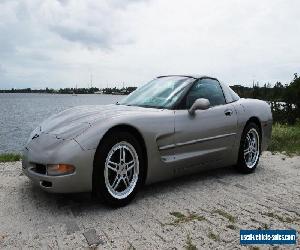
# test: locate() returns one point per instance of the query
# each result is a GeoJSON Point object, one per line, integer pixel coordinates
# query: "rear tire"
{"type": "Point", "coordinates": [250, 149]}
{"type": "Point", "coordinates": [118, 168]}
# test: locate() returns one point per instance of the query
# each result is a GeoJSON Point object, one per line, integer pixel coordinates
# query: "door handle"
{"type": "Point", "coordinates": [228, 112]}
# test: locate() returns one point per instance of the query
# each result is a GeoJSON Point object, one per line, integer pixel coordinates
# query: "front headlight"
{"type": "Point", "coordinates": [60, 169]}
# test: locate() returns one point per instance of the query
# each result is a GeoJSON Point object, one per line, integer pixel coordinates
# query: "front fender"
{"type": "Point", "coordinates": [89, 140]}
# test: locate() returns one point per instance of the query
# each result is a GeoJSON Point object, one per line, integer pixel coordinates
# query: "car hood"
{"type": "Point", "coordinates": [72, 122]}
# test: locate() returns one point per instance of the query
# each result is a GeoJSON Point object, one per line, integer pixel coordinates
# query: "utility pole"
{"type": "Point", "coordinates": [91, 80]}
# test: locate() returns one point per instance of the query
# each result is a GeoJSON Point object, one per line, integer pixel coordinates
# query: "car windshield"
{"type": "Point", "coordinates": [162, 92]}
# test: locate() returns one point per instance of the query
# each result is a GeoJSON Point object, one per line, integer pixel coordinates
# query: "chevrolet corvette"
{"type": "Point", "coordinates": [172, 126]}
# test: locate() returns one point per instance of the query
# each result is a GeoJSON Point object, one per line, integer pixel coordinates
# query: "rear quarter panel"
{"type": "Point", "coordinates": [253, 108]}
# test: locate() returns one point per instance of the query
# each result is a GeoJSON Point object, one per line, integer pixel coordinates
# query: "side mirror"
{"type": "Point", "coordinates": [201, 104]}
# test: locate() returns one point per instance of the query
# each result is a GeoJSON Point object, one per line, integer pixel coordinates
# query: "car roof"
{"type": "Point", "coordinates": [195, 76]}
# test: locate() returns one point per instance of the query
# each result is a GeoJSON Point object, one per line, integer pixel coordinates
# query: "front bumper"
{"type": "Point", "coordinates": [47, 149]}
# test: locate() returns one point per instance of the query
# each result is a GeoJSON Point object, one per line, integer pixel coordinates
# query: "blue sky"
{"type": "Point", "coordinates": [51, 43]}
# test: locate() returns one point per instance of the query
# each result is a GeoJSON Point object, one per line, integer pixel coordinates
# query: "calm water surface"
{"type": "Point", "coordinates": [21, 113]}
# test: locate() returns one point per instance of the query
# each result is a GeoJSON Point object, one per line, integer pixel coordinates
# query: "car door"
{"type": "Point", "coordinates": [206, 138]}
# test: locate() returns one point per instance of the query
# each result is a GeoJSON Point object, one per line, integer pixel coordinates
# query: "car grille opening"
{"type": "Point", "coordinates": [46, 184]}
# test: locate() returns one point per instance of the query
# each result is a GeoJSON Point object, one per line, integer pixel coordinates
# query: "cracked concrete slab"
{"type": "Point", "coordinates": [92, 238]}
{"type": "Point", "coordinates": [71, 227]}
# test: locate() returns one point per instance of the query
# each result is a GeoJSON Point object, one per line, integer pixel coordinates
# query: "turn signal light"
{"type": "Point", "coordinates": [60, 169]}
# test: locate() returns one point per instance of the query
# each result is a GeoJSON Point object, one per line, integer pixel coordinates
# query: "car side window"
{"type": "Point", "coordinates": [206, 88]}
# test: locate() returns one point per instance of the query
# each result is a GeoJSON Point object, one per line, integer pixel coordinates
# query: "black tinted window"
{"type": "Point", "coordinates": [206, 88]}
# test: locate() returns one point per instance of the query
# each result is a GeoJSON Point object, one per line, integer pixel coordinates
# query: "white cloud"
{"type": "Point", "coordinates": [60, 43]}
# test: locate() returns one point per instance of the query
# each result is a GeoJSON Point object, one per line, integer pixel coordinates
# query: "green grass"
{"type": "Point", "coordinates": [189, 244]}
{"type": "Point", "coordinates": [9, 157]}
{"type": "Point", "coordinates": [226, 215]}
{"type": "Point", "coordinates": [230, 226]}
{"type": "Point", "coordinates": [286, 139]}
{"type": "Point", "coordinates": [254, 248]}
{"type": "Point", "coordinates": [213, 236]}
{"type": "Point", "coordinates": [280, 218]}
{"type": "Point", "coordinates": [182, 218]}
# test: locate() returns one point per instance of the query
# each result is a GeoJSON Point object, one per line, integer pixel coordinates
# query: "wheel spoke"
{"type": "Point", "coordinates": [122, 154]}
{"type": "Point", "coordinates": [247, 151]}
{"type": "Point", "coordinates": [248, 139]}
{"type": "Point", "coordinates": [250, 157]}
{"type": "Point", "coordinates": [126, 181]}
{"type": "Point", "coordinates": [116, 182]}
{"type": "Point", "coordinates": [130, 165]}
{"type": "Point", "coordinates": [112, 165]}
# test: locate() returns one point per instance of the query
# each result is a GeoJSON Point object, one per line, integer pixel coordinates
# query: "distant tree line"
{"type": "Point", "coordinates": [122, 91]}
{"type": "Point", "coordinates": [78, 90]}
{"type": "Point", "coordinates": [284, 99]}
{"type": "Point", "coordinates": [92, 90]}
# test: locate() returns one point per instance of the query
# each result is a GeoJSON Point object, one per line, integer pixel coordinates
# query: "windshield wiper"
{"type": "Point", "coordinates": [143, 106]}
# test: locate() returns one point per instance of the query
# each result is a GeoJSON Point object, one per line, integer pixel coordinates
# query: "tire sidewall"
{"type": "Point", "coordinates": [99, 186]}
{"type": "Point", "coordinates": [242, 166]}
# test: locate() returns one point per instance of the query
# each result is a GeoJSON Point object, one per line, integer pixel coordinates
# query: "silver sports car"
{"type": "Point", "coordinates": [173, 125]}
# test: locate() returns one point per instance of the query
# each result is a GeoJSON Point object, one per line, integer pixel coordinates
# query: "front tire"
{"type": "Point", "coordinates": [249, 151]}
{"type": "Point", "coordinates": [118, 168]}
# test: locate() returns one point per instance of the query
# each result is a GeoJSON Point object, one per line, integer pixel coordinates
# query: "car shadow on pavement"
{"type": "Point", "coordinates": [84, 203]}
{"type": "Point", "coordinates": [219, 175]}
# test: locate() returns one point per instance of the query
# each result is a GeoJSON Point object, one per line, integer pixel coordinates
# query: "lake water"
{"type": "Point", "coordinates": [21, 113]}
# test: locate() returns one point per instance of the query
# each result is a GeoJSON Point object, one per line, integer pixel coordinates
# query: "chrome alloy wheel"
{"type": "Point", "coordinates": [121, 170]}
{"type": "Point", "coordinates": [251, 148]}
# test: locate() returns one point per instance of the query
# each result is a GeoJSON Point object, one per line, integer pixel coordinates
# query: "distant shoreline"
{"type": "Point", "coordinates": [62, 93]}
{"type": "Point", "coordinates": [73, 91]}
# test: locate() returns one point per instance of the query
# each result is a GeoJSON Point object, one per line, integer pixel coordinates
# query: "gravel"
{"type": "Point", "coordinates": [205, 210]}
